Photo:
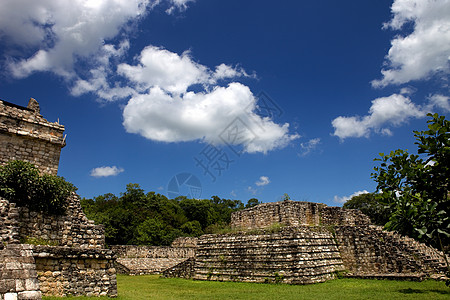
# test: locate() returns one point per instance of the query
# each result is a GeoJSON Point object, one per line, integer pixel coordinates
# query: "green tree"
{"type": "Point", "coordinates": [416, 187]}
{"type": "Point", "coordinates": [139, 218]}
{"type": "Point", "coordinates": [370, 206]}
{"type": "Point", "coordinates": [252, 202]}
{"type": "Point", "coordinates": [155, 232]}
{"type": "Point", "coordinates": [192, 228]}
{"type": "Point", "coordinates": [21, 183]}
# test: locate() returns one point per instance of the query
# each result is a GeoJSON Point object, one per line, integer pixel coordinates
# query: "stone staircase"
{"type": "Point", "coordinates": [296, 255]}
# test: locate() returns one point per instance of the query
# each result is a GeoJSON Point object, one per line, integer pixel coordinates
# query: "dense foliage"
{"type": "Point", "coordinates": [21, 183]}
{"type": "Point", "coordinates": [415, 188]}
{"type": "Point", "coordinates": [370, 206]}
{"type": "Point", "coordinates": [143, 218]}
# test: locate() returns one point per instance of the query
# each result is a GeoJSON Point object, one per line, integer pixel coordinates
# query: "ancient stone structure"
{"type": "Point", "coordinates": [140, 260]}
{"type": "Point", "coordinates": [68, 255]}
{"type": "Point", "coordinates": [44, 254]}
{"type": "Point", "coordinates": [26, 135]}
{"type": "Point", "coordinates": [302, 242]}
{"type": "Point", "coordinates": [294, 255]}
{"type": "Point", "coordinates": [18, 277]}
{"type": "Point", "coordinates": [294, 213]}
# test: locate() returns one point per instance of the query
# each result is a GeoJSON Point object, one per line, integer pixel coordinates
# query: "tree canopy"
{"type": "Point", "coordinates": [143, 218]}
{"type": "Point", "coordinates": [415, 187]}
{"type": "Point", "coordinates": [21, 183]}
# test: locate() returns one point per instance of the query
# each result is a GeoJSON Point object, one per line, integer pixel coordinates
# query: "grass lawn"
{"type": "Point", "coordinates": [153, 287]}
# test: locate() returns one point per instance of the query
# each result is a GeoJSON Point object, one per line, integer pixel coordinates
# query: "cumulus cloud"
{"type": "Point", "coordinates": [418, 55]}
{"type": "Point", "coordinates": [388, 111]}
{"type": "Point", "coordinates": [163, 109]}
{"type": "Point", "coordinates": [99, 82]}
{"type": "Point", "coordinates": [309, 146]}
{"type": "Point", "coordinates": [106, 171]}
{"type": "Point", "coordinates": [440, 101]}
{"type": "Point", "coordinates": [344, 199]}
{"type": "Point", "coordinates": [203, 116]}
{"type": "Point", "coordinates": [263, 180]}
{"type": "Point", "coordinates": [79, 41]}
{"type": "Point", "coordinates": [423, 52]}
{"type": "Point", "coordinates": [64, 32]}
{"type": "Point", "coordinates": [170, 71]}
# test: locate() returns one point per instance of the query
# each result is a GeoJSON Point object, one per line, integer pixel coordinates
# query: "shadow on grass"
{"type": "Point", "coordinates": [417, 291]}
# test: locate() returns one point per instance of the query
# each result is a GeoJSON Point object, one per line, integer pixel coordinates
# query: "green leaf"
{"type": "Point", "coordinates": [444, 233]}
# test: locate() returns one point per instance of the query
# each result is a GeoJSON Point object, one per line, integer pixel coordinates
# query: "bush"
{"type": "Point", "coordinates": [21, 183]}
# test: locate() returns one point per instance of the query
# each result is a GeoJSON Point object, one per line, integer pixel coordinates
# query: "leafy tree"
{"type": "Point", "coordinates": [154, 232]}
{"type": "Point", "coordinates": [369, 205]}
{"type": "Point", "coordinates": [416, 187]}
{"type": "Point", "coordinates": [192, 228]}
{"type": "Point", "coordinates": [132, 217]}
{"type": "Point", "coordinates": [21, 182]}
{"type": "Point", "coordinates": [252, 202]}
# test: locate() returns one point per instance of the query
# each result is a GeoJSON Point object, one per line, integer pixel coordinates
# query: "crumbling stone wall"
{"type": "Point", "coordinates": [289, 213]}
{"type": "Point", "coordinates": [18, 276]}
{"type": "Point", "coordinates": [295, 213]}
{"type": "Point", "coordinates": [139, 260]}
{"type": "Point", "coordinates": [72, 259]}
{"type": "Point", "coordinates": [78, 265]}
{"type": "Point", "coordinates": [70, 271]}
{"type": "Point", "coordinates": [185, 242]}
{"type": "Point", "coordinates": [73, 229]}
{"type": "Point", "coordinates": [296, 255]}
{"type": "Point", "coordinates": [370, 250]}
{"type": "Point", "coordinates": [26, 135]}
{"type": "Point", "coordinates": [9, 225]}
{"type": "Point", "coordinates": [340, 216]}
{"type": "Point", "coordinates": [334, 239]}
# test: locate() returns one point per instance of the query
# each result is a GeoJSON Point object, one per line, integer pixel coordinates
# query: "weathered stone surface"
{"type": "Point", "coordinates": [318, 241]}
{"type": "Point", "coordinates": [26, 135]}
{"type": "Point", "coordinates": [18, 277]}
{"type": "Point", "coordinates": [67, 270]}
{"type": "Point", "coordinates": [296, 255]}
{"type": "Point", "coordinates": [73, 259]}
{"type": "Point", "coordinates": [295, 213]}
{"type": "Point", "coordinates": [140, 260]}
{"type": "Point", "coordinates": [372, 251]}
{"type": "Point", "coordinates": [71, 268]}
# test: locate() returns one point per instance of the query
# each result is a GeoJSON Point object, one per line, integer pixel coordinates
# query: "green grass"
{"type": "Point", "coordinates": [153, 287]}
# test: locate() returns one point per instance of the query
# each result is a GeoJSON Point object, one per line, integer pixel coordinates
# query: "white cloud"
{"type": "Point", "coordinates": [64, 32]}
{"type": "Point", "coordinates": [224, 71]}
{"type": "Point", "coordinates": [440, 101]}
{"type": "Point", "coordinates": [252, 190]}
{"type": "Point", "coordinates": [344, 199]}
{"type": "Point", "coordinates": [170, 71]}
{"type": "Point", "coordinates": [309, 146]}
{"type": "Point", "coordinates": [98, 82]}
{"type": "Point", "coordinates": [263, 180]}
{"type": "Point", "coordinates": [423, 52]}
{"type": "Point", "coordinates": [106, 171]}
{"type": "Point", "coordinates": [70, 34]}
{"type": "Point", "coordinates": [393, 110]}
{"type": "Point", "coordinates": [181, 5]}
{"type": "Point", "coordinates": [203, 116]}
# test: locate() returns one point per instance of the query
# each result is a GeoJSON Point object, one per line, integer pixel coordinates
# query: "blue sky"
{"type": "Point", "coordinates": [248, 98]}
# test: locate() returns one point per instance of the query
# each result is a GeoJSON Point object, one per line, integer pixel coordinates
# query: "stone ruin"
{"type": "Point", "coordinates": [26, 135]}
{"type": "Point", "coordinates": [289, 241]}
{"type": "Point", "coordinates": [302, 242]}
{"type": "Point", "coordinates": [72, 258]}
{"type": "Point", "coordinates": [142, 260]}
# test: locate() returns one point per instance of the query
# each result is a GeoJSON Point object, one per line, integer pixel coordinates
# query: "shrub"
{"type": "Point", "coordinates": [21, 183]}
